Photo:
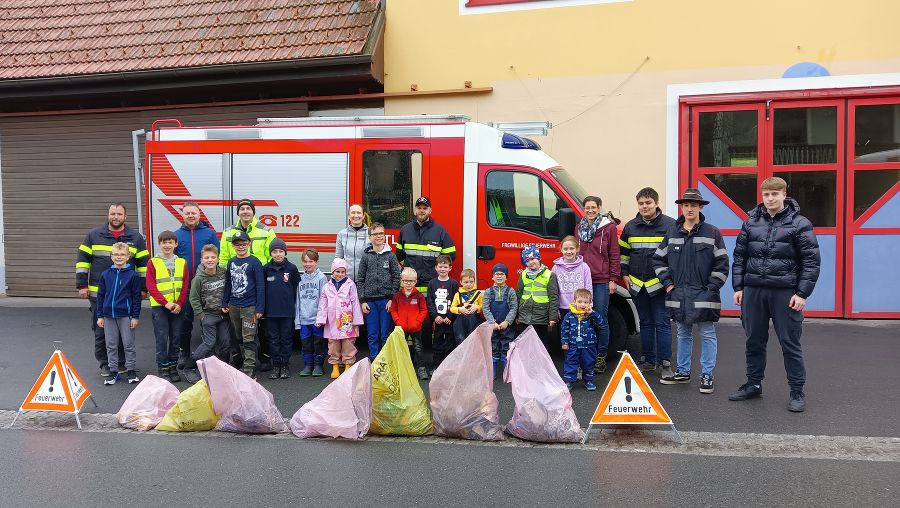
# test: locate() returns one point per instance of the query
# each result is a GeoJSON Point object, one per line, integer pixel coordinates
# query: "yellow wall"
{"type": "Point", "coordinates": [586, 69]}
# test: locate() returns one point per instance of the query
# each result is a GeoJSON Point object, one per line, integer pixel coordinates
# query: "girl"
{"type": "Point", "coordinates": [571, 272]}
{"type": "Point", "coordinates": [340, 314]}
{"type": "Point", "coordinates": [467, 306]}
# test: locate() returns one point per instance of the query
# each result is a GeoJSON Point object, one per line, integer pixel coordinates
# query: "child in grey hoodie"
{"type": "Point", "coordinates": [207, 292]}
{"type": "Point", "coordinates": [312, 340]}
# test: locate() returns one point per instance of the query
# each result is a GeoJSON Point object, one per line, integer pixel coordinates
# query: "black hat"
{"type": "Point", "coordinates": [691, 194]}
{"type": "Point", "coordinates": [240, 236]}
{"type": "Point", "coordinates": [500, 267]}
{"type": "Point", "coordinates": [423, 201]}
{"type": "Point", "coordinates": [277, 243]}
{"type": "Point", "coordinates": [247, 202]}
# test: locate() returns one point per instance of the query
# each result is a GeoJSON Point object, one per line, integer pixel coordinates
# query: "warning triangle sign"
{"type": "Point", "coordinates": [58, 388]}
{"type": "Point", "coordinates": [628, 399]}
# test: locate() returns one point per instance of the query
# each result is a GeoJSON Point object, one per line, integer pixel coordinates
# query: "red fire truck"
{"type": "Point", "coordinates": [493, 191]}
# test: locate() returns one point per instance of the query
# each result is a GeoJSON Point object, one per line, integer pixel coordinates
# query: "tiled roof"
{"type": "Point", "coordinates": [48, 38]}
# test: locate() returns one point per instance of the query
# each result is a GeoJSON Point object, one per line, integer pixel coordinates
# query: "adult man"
{"type": "Point", "coordinates": [776, 266]}
{"type": "Point", "coordinates": [640, 239]}
{"type": "Point", "coordinates": [94, 257]}
{"type": "Point", "coordinates": [192, 236]}
{"type": "Point", "coordinates": [421, 242]}
{"type": "Point", "coordinates": [692, 264]}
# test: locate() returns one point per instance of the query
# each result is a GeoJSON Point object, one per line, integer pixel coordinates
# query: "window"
{"type": "Point", "coordinates": [816, 192]}
{"type": "Point", "coordinates": [878, 133]}
{"type": "Point", "coordinates": [740, 187]}
{"type": "Point", "coordinates": [391, 180]}
{"type": "Point", "coordinates": [522, 201]}
{"type": "Point", "coordinates": [869, 186]}
{"type": "Point", "coordinates": [728, 139]}
{"type": "Point", "coordinates": [805, 136]}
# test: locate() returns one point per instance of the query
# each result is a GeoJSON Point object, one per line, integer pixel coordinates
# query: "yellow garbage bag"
{"type": "Point", "coordinates": [193, 411]}
{"type": "Point", "coordinates": [399, 407]}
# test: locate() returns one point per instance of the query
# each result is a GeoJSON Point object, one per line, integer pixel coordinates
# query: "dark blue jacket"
{"type": "Point", "coordinates": [245, 285]}
{"type": "Point", "coordinates": [580, 333]}
{"type": "Point", "coordinates": [281, 288]}
{"type": "Point", "coordinates": [119, 293]}
{"type": "Point", "coordinates": [191, 242]}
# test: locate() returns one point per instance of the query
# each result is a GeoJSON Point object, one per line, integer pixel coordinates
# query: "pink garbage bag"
{"type": "Point", "coordinates": [543, 403]}
{"type": "Point", "coordinates": [147, 404]}
{"type": "Point", "coordinates": [463, 403]}
{"type": "Point", "coordinates": [242, 404]}
{"type": "Point", "coordinates": [343, 409]}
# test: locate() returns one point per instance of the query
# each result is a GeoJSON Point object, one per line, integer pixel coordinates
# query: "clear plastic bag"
{"type": "Point", "coordinates": [147, 404]}
{"type": "Point", "coordinates": [242, 404]}
{"type": "Point", "coordinates": [343, 409]}
{"type": "Point", "coordinates": [463, 403]}
{"type": "Point", "coordinates": [543, 403]}
{"type": "Point", "coordinates": [192, 411]}
{"type": "Point", "coordinates": [399, 407]}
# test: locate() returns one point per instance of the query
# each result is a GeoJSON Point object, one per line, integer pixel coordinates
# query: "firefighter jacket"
{"type": "Point", "coordinates": [260, 238]}
{"type": "Point", "coordinates": [94, 256]}
{"type": "Point", "coordinates": [638, 242]}
{"type": "Point", "coordinates": [420, 244]}
{"type": "Point", "coordinates": [777, 252]}
{"type": "Point", "coordinates": [696, 263]}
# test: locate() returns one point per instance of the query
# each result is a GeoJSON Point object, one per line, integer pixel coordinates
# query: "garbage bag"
{"type": "Point", "coordinates": [242, 404]}
{"type": "Point", "coordinates": [147, 404]}
{"type": "Point", "coordinates": [343, 409]}
{"type": "Point", "coordinates": [399, 407]}
{"type": "Point", "coordinates": [192, 411]}
{"type": "Point", "coordinates": [463, 403]}
{"type": "Point", "coordinates": [543, 403]}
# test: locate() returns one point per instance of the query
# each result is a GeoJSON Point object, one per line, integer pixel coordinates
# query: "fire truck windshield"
{"type": "Point", "coordinates": [570, 184]}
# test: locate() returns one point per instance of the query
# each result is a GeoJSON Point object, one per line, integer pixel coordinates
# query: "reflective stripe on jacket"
{"type": "Point", "coordinates": [260, 238]}
{"type": "Point", "coordinates": [638, 242]}
{"type": "Point", "coordinates": [419, 245]}
{"type": "Point", "coordinates": [93, 255]}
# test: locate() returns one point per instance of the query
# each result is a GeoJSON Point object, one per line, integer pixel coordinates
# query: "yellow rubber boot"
{"type": "Point", "coordinates": [347, 367]}
{"type": "Point", "coordinates": [335, 371]}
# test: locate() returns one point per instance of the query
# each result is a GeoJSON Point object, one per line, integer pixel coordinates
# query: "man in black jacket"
{"type": "Point", "coordinates": [421, 242]}
{"type": "Point", "coordinates": [776, 266]}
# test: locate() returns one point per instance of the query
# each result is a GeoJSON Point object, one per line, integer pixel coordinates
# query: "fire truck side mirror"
{"type": "Point", "coordinates": [567, 222]}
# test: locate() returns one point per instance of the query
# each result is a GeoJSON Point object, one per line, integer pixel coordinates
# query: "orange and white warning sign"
{"type": "Point", "coordinates": [628, 399]}
{"type": "Point", "coordinates": [58, 388]}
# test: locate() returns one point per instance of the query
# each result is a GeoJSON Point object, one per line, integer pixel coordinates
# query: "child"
{"type": "Point", "coordinates": [409, 310]}
{"type": "Point", "coordinates": [282, 278]}
{"type": "Point", "coordinates": [312, 342]}
{"type": "Point", "coordinates": [340, 314]}
{"type": "Point", "coordinates": [245, 298]}
{"type": "Point", "coordinates": [378, 277]}
{"type": "Point", "coordinates": [118, 308]}
{"type": "Point", "coordinates": [206, 295]}
{"type": "Point", "coordinates": [571, 273]}
{"type": "Point", "coordinates": [538, 293]}
{"type": "Point", "coordinates": [500, 302]}
{"type": "Point", "coordinates": [441, 291]}
{"type": "Point", "coordinates": [168, 288]}
{"type": "Point", "coordinates": [579, 339]}
{"type": "Point", "coordinates": [467, 306]}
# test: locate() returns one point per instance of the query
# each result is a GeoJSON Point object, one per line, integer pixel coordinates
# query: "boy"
{"type": "Point", "coordinates": [206, 295]}
{"type": "Point", "coordinates": [692, 264]}
{"type": "Point", "coordinates": [579, 339]}
{"type": "Point", "coordinates": [441, 291]}
{"type": "Point", "coordinates": [167, 285]}
{"type": "Point", "coordinates": [312, 339]}
{"type": "Point", "coordinates": [118, 309]}
{"type": "Point", "coordinates": [466, 305]}
{"type": "Point", "coordinates": [538, 293]}
{"type": "Point", "coordinates": [245, 298]}
{"type": "Point", "coordinates": [409, 310]}
{"type": "Point", "coordinates": [282, 278]}
{"type": "Point", "coordinates": [640, 238]}
{"type": "Point", "coordinates": [500, 302]}
{"type": "Point", "coordinates": [378, 278]}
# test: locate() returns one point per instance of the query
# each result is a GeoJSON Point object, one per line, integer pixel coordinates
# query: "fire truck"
{"type": "Point", "coordinates": [493, 191]}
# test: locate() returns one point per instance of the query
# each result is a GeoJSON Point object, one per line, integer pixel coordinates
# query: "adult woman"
{"type": "Point", "coordinates": [599, 245]}
{"type": "Point", "coordinates": [353, 240]}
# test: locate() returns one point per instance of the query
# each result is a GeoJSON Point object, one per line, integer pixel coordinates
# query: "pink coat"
{"type": "Point", "coordinates": [339, 310]}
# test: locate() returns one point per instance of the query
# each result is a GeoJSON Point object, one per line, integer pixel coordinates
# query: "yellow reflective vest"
{"type": "Point", "coordinates": [169, 284]}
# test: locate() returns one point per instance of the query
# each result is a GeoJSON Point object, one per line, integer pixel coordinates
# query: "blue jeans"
{"type": "Point", "coordinates": [378, 325]}
{"type": "Point", "coordinates": [686, 347]}
{"type": "Point", "coordinates": [601, 305]}
{"type": "Point", "coordinates": [656, 327]}
{"type": "Point", "coordinates": [575, 358]}
{"type": "Point", "coordinates": [167, 329]}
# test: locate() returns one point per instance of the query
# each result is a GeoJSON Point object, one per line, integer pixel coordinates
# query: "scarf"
{"type": "Point", "coordinates": [580, 314]}
{"type": "Point", "coordinates": [533, 274]}
{"type": "Point", "coordinates": [586, 230]}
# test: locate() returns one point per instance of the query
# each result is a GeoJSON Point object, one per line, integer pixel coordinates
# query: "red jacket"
{"type": "Point", "coordinates": [409, 312]}
{"type": "Point", "coordinates": [602, 253]}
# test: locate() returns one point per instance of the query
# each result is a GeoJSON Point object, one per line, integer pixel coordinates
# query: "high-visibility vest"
{"type": "Point", "coordinates": [536, 288]}
{"type": "Point", "coordinates": [167, 283]}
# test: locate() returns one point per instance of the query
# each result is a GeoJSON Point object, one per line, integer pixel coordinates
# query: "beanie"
{"type": "Point", "coordinates": [277, 243]}
{"type": "Point", "coordinates": [247, 202]}
{"type": "Point", "coordinates": [500, 267]}
{"type": "Point", "coordinates": [338, 263]}
{"type": "Point", "coordinates": [530, 252]}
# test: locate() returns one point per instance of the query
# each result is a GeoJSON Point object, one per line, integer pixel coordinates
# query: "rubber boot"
{"type": "Point", "coordinates": [318, 369]}
{"type": "Point", "coordinates": [307, 366]}
{"type": "Point", "coordinates": [347, 366]}
{"type": "Point", "coordinates": [335, 371]}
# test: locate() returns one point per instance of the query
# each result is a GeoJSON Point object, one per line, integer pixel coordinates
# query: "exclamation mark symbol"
{"type": "Point", "coordinates": [628, 388]}
{"type": "Point", "coordinates": [52, 379]}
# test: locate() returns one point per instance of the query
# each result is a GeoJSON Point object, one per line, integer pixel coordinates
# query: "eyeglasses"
{"type": "Point", "coordinates": [413, 281]}
{"type": "Point", "coordinates": [376, 234]}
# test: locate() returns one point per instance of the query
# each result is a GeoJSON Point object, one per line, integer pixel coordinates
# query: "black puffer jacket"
{"type": "Point", "coordinates": [777, 252]}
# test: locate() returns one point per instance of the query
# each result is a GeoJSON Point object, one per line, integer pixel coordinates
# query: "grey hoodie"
{"type": "Point", "coordinates": [207, 291]}
{"type": "Point", "coordinates": [308, 292]}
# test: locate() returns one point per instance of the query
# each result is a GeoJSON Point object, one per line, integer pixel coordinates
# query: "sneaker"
{"type": "Point", "coordinates": [132, 377]}
{"type": "Point", "coordinates": [423, 374]}
{"type": "Point", "coordinates": [570, 386]}
{"type": "Point", "coordinates": [173, 375]}
{"type": "Point", "coordinates": [706, 384]}
{"type": "Point", "coordinates": [112, 378]}
{"type": "Point", "coordinates": [285, 372]}
{"type": "Point", "coordinates": [191, 375]}
{"type": "Point", "coordinates": [665, 369]}
{"type": "Point", "coordinates": [307, 371]}
{"type": "Point", "coordinates": [591, 387]}
{"type": "Point", "coordinates": [250, 373]}
{"type": "Point", "coordinates": [644, 366]}
{"type": "Point", "coordinates": [746, 391]}
{"type": "Point", "coordinates": [676, 379]}
{"type": "Point", "coordinates": [104, 370]}
{"type": "Point", "coordinates": [162, 372]}
{"type": "Point", "coordinates": [797, 403]}
{"type": "Point", "coordinates": [600, 366]}
{"type": "Point", "coordinates": [275, 373]}
{"type": "Point", "coordinates": [317, 371]}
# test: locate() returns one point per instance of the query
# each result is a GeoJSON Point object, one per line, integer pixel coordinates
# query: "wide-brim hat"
{"type": "Point", "coordinates": [691, 194]}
